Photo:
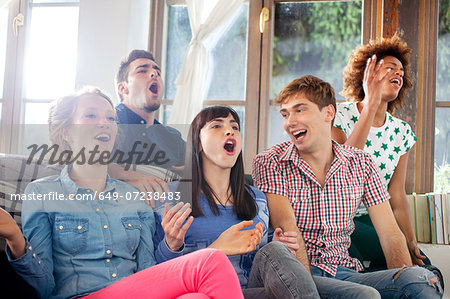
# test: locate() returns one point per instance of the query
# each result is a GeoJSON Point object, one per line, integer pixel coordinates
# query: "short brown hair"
{"type": "Point", "coordinates": [354, 71]}
{"type": "Point", "coordinates": [122, 73]}
{"type": "Point", "coordinates": [315, 89]}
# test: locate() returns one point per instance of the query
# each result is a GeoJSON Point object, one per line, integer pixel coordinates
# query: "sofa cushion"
{"type": "Point", "coordinates": [15, 174]}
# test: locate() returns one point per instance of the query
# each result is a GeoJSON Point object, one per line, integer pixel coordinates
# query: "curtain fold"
{"type": "Point", "coordinates": [191, 80]}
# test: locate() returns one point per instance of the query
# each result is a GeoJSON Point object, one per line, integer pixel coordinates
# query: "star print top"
{"type": "Point", "coordinates": [386, 144]}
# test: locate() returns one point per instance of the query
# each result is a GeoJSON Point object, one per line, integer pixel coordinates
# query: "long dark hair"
{"type": "Point", "coordinates": [193, 181]}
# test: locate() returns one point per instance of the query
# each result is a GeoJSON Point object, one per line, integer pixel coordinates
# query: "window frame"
{"type": "Point", "coordinates": [13, 102]}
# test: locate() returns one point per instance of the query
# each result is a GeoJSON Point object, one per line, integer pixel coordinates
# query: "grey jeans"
{"type": "Point", "coordinates": [276, 273]}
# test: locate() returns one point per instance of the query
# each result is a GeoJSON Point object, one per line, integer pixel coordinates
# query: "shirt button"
{"type": "Point", "coordinates": [129, 224]}
{"type": "Point", "coordinates": [108, 260]}
{"type": "Point", "coordinates": [105, 226]}
{"type": "Point", "coordinates": [30, 248]}
{"type": "Point", "coordinates": [34, 255]}
{"type": "Point", "coordinates": [61, 227]}
{"type": "Point", "coordinates": [108, 251]}
{"type": "Point", "coordinates": [79, 227]}
{"type": "Point", "coordinates": [114, 275]}
{"type": "Point", "coordinates": [97, 210]}
{"type": "Point", "coordinates": [142, 121]}
{"type": "Point", "coordinates": [39, 262]}
{"type": "Point", "coordinates": [143, 134]}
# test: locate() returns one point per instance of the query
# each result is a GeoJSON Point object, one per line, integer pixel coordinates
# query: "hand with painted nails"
{"type": "Point", "coordinates": [236, 241]}
{"type": "Point", "coordinates": [288, 238]}
{"type": "Point", "coordinates": [175, 224]}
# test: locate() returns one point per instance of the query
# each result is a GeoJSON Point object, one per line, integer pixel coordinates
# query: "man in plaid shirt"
{"type": "Point", "coordinates": [314, 185]}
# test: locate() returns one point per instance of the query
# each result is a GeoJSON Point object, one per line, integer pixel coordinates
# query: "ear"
{"type": "Point", "coordinates": [66, 136]}
{"type": "Point", "coordinates": [122, 88]}
{"type": "Point", "coordinates": [329, 113]}
{"type": "Point", "coordinates": [200, 148]}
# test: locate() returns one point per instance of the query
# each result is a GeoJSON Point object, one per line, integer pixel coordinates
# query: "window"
{"type": "Point", "coordinates": [442, 113]}
{"type": "Point", "coordinates": [62, 45]}
{"type": "Point", "coordinates": [40, 47]}
{"type": "Point", "coordinates": [310, 38]}
{"type": "Point", "coordinates": [228, 59]}
{"type": "Point", "coordinates": [249, 68]}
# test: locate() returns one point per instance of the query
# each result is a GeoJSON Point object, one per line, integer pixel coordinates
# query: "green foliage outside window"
{"type": "Point", "coordinates": [314, 38]}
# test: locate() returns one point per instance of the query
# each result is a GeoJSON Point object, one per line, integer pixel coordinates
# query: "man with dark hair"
{"type": "Point", "coordinates": [314, 185]}
{"type": "Point", "coordinates": [144, 140]}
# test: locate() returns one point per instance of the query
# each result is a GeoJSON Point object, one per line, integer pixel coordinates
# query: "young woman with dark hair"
{"type": "Point", "coordinates": [229, 215]}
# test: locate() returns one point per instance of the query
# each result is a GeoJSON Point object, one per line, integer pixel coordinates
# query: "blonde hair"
{"type": "Point", "coordinates": [61, 113]}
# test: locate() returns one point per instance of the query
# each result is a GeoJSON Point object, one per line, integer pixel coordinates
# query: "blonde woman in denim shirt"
{"type": "Point", "coordinates": [92, 241]}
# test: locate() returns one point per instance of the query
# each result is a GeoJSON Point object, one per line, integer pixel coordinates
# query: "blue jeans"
{"type": "Point", "coordinates": [412, 282]}
{"type": "Point", "coordinates": [277, 273]}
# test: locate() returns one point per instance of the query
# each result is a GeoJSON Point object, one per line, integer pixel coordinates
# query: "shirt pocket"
{"type": "Point", "coordinates": [133, 229]}
{"type": "Point", "coordinates": [71, 234]}
{"type": "Point", "coordinates": [300, 199]}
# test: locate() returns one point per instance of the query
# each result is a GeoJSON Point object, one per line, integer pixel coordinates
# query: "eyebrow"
{"type": "Point", "coordinates": [293, 107]}
{"type": "Point", "coordinates": [147, 65]}
{"type": "Point", "coordinates": [393, 63]}
{"type": "Point", "coordinates": [221, 120]}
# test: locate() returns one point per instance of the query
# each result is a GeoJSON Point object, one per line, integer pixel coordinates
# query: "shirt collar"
{"type": "Point", "coordinates": [127, 116]}
{"type": "Point", "coordinates": [291, 154]}
{"type": "Point", "coordinates": [71, 187]}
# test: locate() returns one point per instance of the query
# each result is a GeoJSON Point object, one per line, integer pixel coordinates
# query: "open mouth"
{"type": "Point", "coordinates": [229, 146]}
{"type": "Point", "coordinates": [103, 137]}
{"type": "Point", "coordinates": [396, 81]}
{"type": "Point", "coordinates": [299, 134]}
{"type": "Point", "coordinates": [154, 88]}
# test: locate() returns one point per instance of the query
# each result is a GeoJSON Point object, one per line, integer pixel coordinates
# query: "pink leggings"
{"type": "Point", "coordinates": [205, 273]}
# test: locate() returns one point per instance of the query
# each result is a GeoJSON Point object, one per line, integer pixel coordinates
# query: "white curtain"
{"type": "Point", "coordinates": [191, 81]}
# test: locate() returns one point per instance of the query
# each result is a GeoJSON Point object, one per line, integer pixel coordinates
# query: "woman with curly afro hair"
{"type": "Point", "coordinates": [376, 81]}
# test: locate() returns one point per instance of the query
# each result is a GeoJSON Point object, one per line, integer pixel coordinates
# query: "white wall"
{"type": "Point", "coordinates": [108, 30]}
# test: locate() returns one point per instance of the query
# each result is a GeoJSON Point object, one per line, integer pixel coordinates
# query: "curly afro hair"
{"type": "Point", "coordinates": [354, 71]}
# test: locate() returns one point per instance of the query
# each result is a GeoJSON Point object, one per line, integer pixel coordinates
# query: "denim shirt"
{"type": "Point", "coordinates": [76, 247]}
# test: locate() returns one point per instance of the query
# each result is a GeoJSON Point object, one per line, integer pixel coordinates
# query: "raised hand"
{"type": "Point", "coordinates": [236, 241]}
{"type": "Point", "coordinates": [373, 80]}
{"type": "Point", "coordinates": [12, 234]}
{"type": "Point", "coordinates": [288, 238]}
{"type": "Point", "coordinates": [172, 223]}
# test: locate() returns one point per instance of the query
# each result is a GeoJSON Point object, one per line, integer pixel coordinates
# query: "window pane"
{"type": "Point", "coordinates": [311, 38]}
{"type": "Point", "coordinates": [228, 59]}
{"type": "Point", "coordinates": [442, 151]}
{"type": "Point", "coordinates": [37, 113]}
{"type": "Point", "coordinates": [178, 38]}
{"type": "Point", "coordinates": [443, 52]}
{"type": "Point", "coordinates": [50, 60]}
{"type": "Point", "coordinates": [3, 41]}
